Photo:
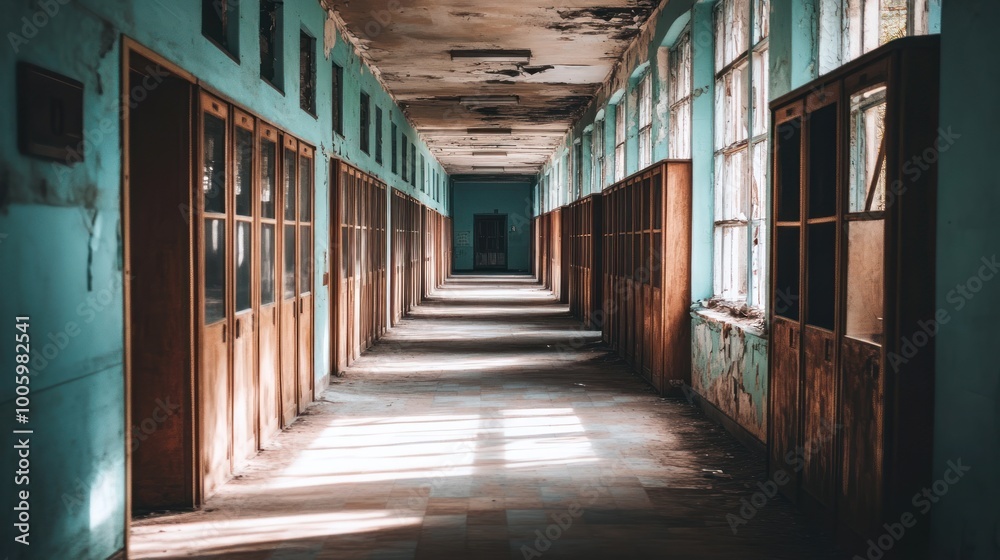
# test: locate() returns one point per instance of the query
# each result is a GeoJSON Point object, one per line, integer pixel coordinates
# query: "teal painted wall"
{"type": "Point", "coordinates": [966, 522]}
{"type": "Point", "coordinates": [514, 199]}
{"type": "Point", "coordinates": [729, 370]}
{"type": "Point", "coordinates": [61, 240]}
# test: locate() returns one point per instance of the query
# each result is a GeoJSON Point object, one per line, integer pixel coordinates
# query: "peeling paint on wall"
{"type": "Point", "coordinates": [729, 369]}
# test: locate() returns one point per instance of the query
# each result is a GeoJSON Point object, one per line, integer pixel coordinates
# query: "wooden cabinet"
{"type": "Point", "coordinates": [853, 193]}
{"type": "Point", "coordinates": [583, 230]}
{"type": "Point", "coordinates": [646, 252]}
{"type": "Point", "coordinates": [359, 316]}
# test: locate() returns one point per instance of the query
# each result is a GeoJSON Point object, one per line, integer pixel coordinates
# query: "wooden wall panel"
{"type": "Point", "coordinates": [646, 253]}
{"type": "Point", "coordinates": [584, 230]}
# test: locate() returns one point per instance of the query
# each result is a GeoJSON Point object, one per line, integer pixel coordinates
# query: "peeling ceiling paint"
{"type": "Point", "coordinates": [574, 45]}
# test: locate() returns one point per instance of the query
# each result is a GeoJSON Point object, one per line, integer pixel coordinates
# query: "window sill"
{"type": "Point", "coordinates": [745, 318]}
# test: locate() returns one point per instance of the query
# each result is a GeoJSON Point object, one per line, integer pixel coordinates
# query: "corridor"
{"type": "Point", "coordinates": [488, 425]}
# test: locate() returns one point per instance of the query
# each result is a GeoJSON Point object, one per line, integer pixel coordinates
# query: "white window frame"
{"type": "Point", "coordinates": [645, 102]}
{"type": "Point", "coordinates": [621, 133]}
{"type": "Point", "coordinates": [846, 30]}
{"type": "Point", "coordinates": [741, 127]}
{"type": "Point", "coordinates": [597, 150]}
{"type": "Point", "coordinates": [679, 65]}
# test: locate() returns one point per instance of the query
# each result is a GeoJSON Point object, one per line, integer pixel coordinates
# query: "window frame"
{"type": "Point", "coordinates": [740, 153]}
{"type": "Point", "coordinates": [307, 72]}
{"type": "Point", "coordinates": [644, 101]}
{"type": "Point", "coordinates": [228, 37]}
{"type": "Point", "coordinates": [395, 147]}
{"type": "Point", "coordinates": [271, 42]}
{"type": "Point", "coordinates": [338, 99]}
{"type": "Point", "coordinates": [379, 136]}
{"type": "Point", "coordinates": [621, 135]}
{"type": "Point", "coordinates": [364, 122]}
{"type": "Point", "coordinates": [597, 149]}
{"type": "Point", "coordinates": [680, 65]}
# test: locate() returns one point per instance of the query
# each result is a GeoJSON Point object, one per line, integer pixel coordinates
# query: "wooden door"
{"type": "Point", "coordinates": [244, 366]}
{"type": "Point", "coordinates": [267, 275]}
{"type": "Point", "coordinates": [288, 308]}
{"type": "Point", "coordinates": [158, 288]}
{"type": "Point", "coordinates": [304, 268]}
{"type": "Point", "coordinates": [490, 242]}
{"type": "Point", "coordinates": [214, 343]}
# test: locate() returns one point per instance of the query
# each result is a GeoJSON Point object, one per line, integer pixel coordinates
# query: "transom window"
{"type": "Point", "coordinates": [850, 28]}
{"type": "Point", "coordinates": [597, 147]}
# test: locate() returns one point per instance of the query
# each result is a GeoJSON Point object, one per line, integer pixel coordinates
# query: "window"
{"type": "Point", "coordinates": [365, 123]}
{"type": "Point", "coordinates": [270, 42]}
{"type": "Point", "coordinates": [395, 149]}
{"type": "Point", "coordinates": [219, 23]}
{"type": "Point", "coordinates": [646, 121]}
{"type": "Point", "coordinates": [413, 164]}
{"type": "Point", "coordinates": [597, 145]}
{"type": "Point", "coordinates": [338, 99]}
{"type": "Point", "coordinates": [620, 140]}
{"type": "Point", "coordinates": [378, 135]}
{"type": "Point", "coordinates": [578, 168]}
{"type": "Point", "coordinates": [741, 122]}
{"type": "Point", "coordinates": [848, 29]}
{"type": "Point", "coordinates": [679, 97]}
{"type": "Point", "coordinates": [307, 73]}
{"type": "Point", "coordinates": [402, 138]}
{"type": "Point", "coordinates": [423, 174]}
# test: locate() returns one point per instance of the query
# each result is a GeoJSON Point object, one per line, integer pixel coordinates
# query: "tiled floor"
{"type": "Point", "coordinates": [488, 425]}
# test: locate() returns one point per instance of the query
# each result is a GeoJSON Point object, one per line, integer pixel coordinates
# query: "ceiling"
{"type": "Point", "coordinates": [573, 44]}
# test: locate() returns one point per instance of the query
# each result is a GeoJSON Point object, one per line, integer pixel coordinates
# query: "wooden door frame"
{"type": "Point", "coordinates": [506, 244]}
{"type": "Point", "coordinates": [130, 46]}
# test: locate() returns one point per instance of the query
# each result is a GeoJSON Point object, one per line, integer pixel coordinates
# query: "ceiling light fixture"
{"type": "Point", "coordinates": [500, 55]}
{"type": "Point", "coordinates": [489, 154]}
{"type": "Point", "coordinates": [490, 169]}
{"type": "Point", "coordinates": [489, 100]}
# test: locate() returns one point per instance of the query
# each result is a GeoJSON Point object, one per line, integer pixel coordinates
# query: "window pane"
{"type": "Point", "coordinates": [893, 20]}
{"type": "Point", "coordinates": [865, 245]}
{"type": "Point", "coordinates": [213, 177]}
{"type": "Point", "coordinates": [867, 151]}
{"type": "Point", "coordinates": [215, 270]}
{"type": "Point", "coordinates": [731, 265]}
{"type": "Point", "coordinates": [244, 248]}
{"type": "Point", "coordinates": [680, 130]}
{"type": "Point", "coordinates": [244, 171]}
{"type": "Point", "coordinates": [761, 23]}
{"type": "Point", "coordinates": [288, 281]}
{"type": "Point", "coordinates": [305, 259]}
{"type": "Point", "coordinates": [338, 99]}
{"type": "Point", "coordinates": [731, 195]}
{"type": "Point", "coordinates": [740, 104]}
{"type": "Point", "coordinates": [289, 184]}
{"type": "Point", "coordinates": [268, 177]}
{"type": "Point", "coordinates": [758, 182]}
{"type": "Point", "coordinates": [645, 102]}
{"type": "Point", "coordinates": [305, 189]}
{"type": "Point", "coordinates": [268, 258]}
{"type": "Point", "coordinates": [378, 135]}
{"type": "Point", "coordinates": [307, 73]}
{"type": "Point", "coordinates": [721, 108]}
{"type": "Point", "coordinates": [720, 36]}
{"type": "Point", "coordinates": [760, 111]}
{"type": "Point", "coordinates": [365, 122]}
{"type": "Point", "coordinates": [758, 263]}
